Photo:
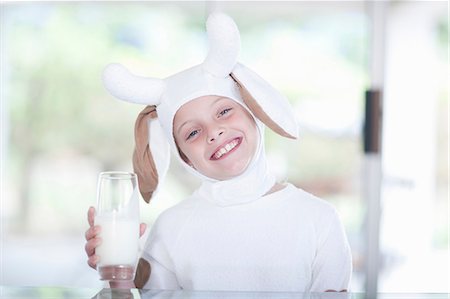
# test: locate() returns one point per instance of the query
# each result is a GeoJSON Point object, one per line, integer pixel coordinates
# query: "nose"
{"type": "Point", "coordinates": [214, 134]}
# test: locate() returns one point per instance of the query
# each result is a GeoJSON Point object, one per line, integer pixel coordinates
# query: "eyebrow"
{"type": "Point", "coordinates": [189, 120]}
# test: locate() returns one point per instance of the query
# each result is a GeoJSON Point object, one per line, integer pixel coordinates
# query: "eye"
{"type": "Point", "coordinates": [192, 134]}
{"type": "Point", "coordinates": [224, 111]}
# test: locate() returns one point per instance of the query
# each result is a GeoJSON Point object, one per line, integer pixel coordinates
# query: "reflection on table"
{"type": "Point", "coordinates": [11, 292]}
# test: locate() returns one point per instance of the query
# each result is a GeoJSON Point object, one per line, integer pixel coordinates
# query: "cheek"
{"type": "Point", "coordinates": [191, 150]}
{"type": "Point", "coordinates": [245, 120]}
{"type": "Point", "coordinates": [183, 149]}
{"type": "Point", "coordinates": [251, 131]}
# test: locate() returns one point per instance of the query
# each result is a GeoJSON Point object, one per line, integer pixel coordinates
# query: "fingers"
{"type": "Point", "coordinates": [92, 232]}
{"type": "Point", "coordinates": [91, 245]}
{"type": "Point", "coordinates": [91, 216]}
{"type": "Point", "coordinates": [142, 229]}
{"type": "Point", "coordinates": [92, 240]}
{"type": "Point", "coordinates": [92, 261]}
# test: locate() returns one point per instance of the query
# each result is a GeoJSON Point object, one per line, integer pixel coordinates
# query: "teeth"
{"type": "Point", "coordinates": [228, 147]}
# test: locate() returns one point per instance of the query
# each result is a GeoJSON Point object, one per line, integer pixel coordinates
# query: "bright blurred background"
{"type": "Point", "coordinates": [60, 128]}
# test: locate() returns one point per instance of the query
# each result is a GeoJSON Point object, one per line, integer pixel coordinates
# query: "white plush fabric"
{"type": "Point", "coordinates": [224, 45]}
{"type": "Point", "coordinates": [227, 235]}
{"type": "Point", "coordinates": [122, 84]}
{"type": "Point", "coordinates": [212, 77]}
{"type": "Point", "coordinates": [280, 110]}
{"type": "Point", "coordinates": [160, 149]}
{"type": "Point", "coordinates": [285, 241]}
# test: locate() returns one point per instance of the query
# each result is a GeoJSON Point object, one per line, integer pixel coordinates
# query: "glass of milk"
{"type": "Point", "coordinates": [118, 216]}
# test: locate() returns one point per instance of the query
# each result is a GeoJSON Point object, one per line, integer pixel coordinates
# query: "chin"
{"type": "Point", "coordinates": [232, 173]}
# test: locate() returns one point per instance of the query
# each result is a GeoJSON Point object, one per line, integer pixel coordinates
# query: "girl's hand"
{"type": "Point", "coordinates": [93, 240]}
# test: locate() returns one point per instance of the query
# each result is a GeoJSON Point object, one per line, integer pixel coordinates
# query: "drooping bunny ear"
{"type": "Point", "coordinates": [265, 102]}
{"type": "Point", "coordinates": [151, 155]}
{"type": "Point", "coordinates": [224, 45]}
{"type": "Point", "coordinates": [131, 88]}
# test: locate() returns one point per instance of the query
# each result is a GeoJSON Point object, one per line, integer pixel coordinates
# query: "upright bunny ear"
{"type": "Point", "coordinates": [224, 45]}
{"type": "Point", "coordinates": [265, 102]}
{"type": "Point", "coordinates": [130, 88]}
{"type": "Point", "coordinates": [151, 155]}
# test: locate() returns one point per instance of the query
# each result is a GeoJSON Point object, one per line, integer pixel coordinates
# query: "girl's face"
{"type": "Point", "coordinates": [217, 136]}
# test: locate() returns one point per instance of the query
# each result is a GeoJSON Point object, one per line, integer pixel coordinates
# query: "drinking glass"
{"type": "Point", "coordinates": [118, 215]}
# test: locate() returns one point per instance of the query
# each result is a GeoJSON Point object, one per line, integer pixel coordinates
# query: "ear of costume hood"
{"type": "Point", "coordinates": [265, 102]}
{"type": "Point", "coordinates": [151, 156]}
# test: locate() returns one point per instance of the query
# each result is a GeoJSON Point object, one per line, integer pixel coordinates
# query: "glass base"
{"type": "Point", "coordinates": [116, 272]}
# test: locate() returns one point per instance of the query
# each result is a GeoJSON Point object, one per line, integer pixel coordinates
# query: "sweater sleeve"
{"type": "Point", "coordinates": [332, 265]}
{"type": "Point", "coordinates": [162, 275]}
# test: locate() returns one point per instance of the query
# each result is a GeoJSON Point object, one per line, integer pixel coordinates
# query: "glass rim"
{"type": "Point", "coordinates": [117, 175]}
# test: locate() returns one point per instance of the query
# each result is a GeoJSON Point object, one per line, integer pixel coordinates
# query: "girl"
{"type": "Point", "coordinates": [241, 230]}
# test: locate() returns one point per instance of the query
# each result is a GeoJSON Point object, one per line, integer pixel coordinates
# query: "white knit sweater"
{"type": "Point", "coordinates": [285, 241]}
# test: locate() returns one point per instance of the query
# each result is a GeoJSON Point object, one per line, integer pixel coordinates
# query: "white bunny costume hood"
{"type": "Point", "coordinates": [220, 74]}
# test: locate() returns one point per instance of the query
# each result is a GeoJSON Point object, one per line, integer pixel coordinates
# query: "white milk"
{"type": "Point", "coordinates": [120, 240]}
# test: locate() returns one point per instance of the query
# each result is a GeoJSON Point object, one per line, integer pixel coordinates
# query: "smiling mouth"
{"type": "Point", "coordinates": [226, 149]}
